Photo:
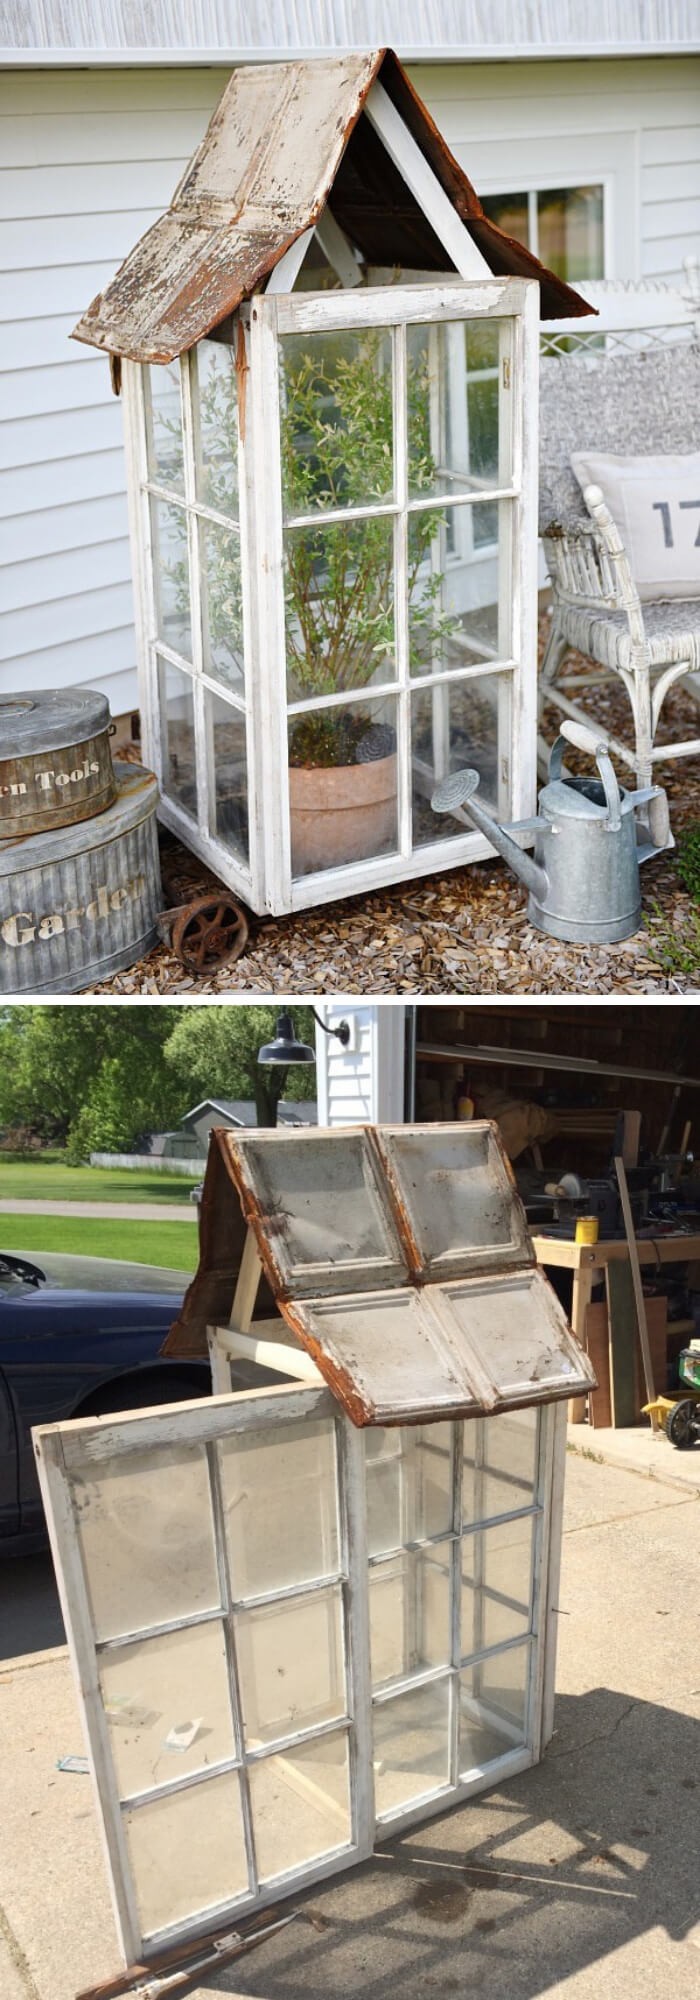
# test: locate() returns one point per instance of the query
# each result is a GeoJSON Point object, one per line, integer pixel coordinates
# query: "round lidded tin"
{"type": "Point", "coordinates": [55, 759]}
{"type": "Point", "coordinates": [80, 903]}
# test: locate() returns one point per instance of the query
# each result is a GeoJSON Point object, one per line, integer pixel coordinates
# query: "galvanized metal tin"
{"type": "Point", "coordinates": [55, 760]}
{"type": "Point", "coordinates": [80, 903]}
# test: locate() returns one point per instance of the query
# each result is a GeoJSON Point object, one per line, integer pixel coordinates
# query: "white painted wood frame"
{"type": "Point", "coordinates": [267, 882]}
{"type": "Point", "coordinates": [72, 1453]}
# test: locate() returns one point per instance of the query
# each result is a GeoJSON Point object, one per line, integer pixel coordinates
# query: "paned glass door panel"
{"type": "Point", "coordinates": [178, 750]}
{"type": "Point", "coordinates": [221, 1723]}
{"type": "Point", "coordinates": [402, 439]}
{"type": "Point", "coordinates": [493, 1702]}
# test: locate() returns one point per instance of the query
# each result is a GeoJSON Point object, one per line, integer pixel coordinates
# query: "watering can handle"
{"type": "Point", "coordinates": [594, 744]}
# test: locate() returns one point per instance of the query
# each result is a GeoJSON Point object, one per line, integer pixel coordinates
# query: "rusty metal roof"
{"type": "Point", "coordinates": [284, 140]}
{"type": "Point", "coordinates": [400, 1258]}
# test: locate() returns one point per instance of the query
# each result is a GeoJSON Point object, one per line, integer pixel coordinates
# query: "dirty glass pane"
{"type": "Point", "coordinates": [519, 1332]}
{"type": "Point", "coordinates": [411, 1745]}
{"type": "Point", "coordinates": [389, 1347]}
{"type": "Point", "coordinates": [492, 1707]}
{"type": "Point", "coordinates": [279, 1493]}
{"type": "Point", "coordinates": [291, 1664]}
{"type": "Point", "coordinates": [164, 426]}
{"type": "Point", "coordinates": [343, 784]}
{"type": "Point", "coordinates": [167, 1706]}
{"type": "Point", "coordinates": [461, 1203]}
{"type": "Point", "coordinates": [228, 774]}
{"type": "Point", "coordinates": [301, 1804]}
{"type": "Point", "coordinates": [496, 1584]}
{"type": "Point", "coordinates": [456, 726]}
{"type": "Point", "coordinates": [452, 388]}
{"type": "Point", "coordinates": [339, 607]}
{"type": "Point", "coordinates": [336, 1228]}
{"type": "Point", "coordinates": [216, 427]}
{"type": "Point", "coordinates": [409, 1484]}
{"type": "Point", "coordinates": [171, 576]}
{"type": "Point", "coordinates": [337, 420]}
{"type": "Point", "coordinates": [177, 736]}
{"type": "Point", "coordinates": [187, 1851]}
{"type": "Point", "coordinates": [222, 604]}
{"type": "Point", "coordinates": [570, 229]}
{"type": "Point", "coordinates": [145, 1529]}
{"type": "Point", "coordinates": [409, 1609]}
{"type": "Point", "coordinates": [510, 1461]}
{"type": "Point", "coordinates": [452, 598]}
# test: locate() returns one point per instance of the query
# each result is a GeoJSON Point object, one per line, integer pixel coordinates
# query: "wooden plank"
{"type": "Point", "coordinates": [637, 1284]}
{"type": "Point", "coordinates": [406, 155]}
{"type": "Point", "coordinates": [622, 1324]}
{"type": "Point", "coordinates": [597, 1349]}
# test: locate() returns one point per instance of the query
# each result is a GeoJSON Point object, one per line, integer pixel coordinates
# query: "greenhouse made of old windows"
{"type": "Point", "coordinates": [314, 1611]}
{"type": "Point", "coordinates": [329, 362]}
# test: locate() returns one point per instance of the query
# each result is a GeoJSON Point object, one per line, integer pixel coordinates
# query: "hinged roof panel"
{"type": "Point", "coordinates": [282, 140]}
{"type": "Point", "coordinates": [349, 1225]}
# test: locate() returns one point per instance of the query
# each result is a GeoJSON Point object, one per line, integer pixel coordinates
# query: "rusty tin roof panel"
{"type": "Point", "coordinates": [319, 1208]}
{"type": "Point", "coordinates": [261, 176]}
{"type": "Point", "coordinates": [455, 1189]}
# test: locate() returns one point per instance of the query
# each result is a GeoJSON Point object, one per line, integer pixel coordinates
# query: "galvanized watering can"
{"type": "Point", "coordinates": [583, 879]}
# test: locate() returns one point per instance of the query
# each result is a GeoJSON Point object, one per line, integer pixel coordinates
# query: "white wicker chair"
{"type": "Point", "coordinates": [644, 401]}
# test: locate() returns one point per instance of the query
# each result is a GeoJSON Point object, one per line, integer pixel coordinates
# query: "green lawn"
{"type": "Point", "coordinates": [45, 1177]}
{"type": "Point", "coordinates": [173, 1245]}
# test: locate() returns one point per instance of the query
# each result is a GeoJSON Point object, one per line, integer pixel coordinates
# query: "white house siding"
{"type": "Point", "coordinates": [364, 1082]}
{"type": "Point", "coordinates": [89, 157]}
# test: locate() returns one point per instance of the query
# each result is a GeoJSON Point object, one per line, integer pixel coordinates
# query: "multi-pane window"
{"type": "Point", "coordinates": [337, 495]}
{"type": "Point", "coordinates": [288, 1632]}
{"type": "Point", "coordinates": [562, 226]}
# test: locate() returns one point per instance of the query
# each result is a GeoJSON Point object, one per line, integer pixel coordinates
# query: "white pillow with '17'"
{"type": "Point", "coordinates": [655, 503]}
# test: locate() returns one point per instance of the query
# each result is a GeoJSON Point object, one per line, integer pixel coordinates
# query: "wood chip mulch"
{"type": "Point", "coordinates": [464, 932]}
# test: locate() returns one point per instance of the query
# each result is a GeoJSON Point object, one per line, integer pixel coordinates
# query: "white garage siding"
{"type": "Point", "coordinates": [365, 1082]}
{"type": "Point", "coordinates": [89, 157]}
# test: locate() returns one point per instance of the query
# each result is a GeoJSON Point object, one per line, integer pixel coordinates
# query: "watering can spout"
{"type": "Point", "coordinates": [457, 792]}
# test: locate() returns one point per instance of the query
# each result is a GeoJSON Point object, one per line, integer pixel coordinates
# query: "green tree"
{"type": "Point", "coordinates": [88, 1077]}
{"type": "Point", "coordinates": [214, 1050]}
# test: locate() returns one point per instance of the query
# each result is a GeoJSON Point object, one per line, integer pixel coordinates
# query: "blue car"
{"type": "Point", "coordinates": [78, 1336]}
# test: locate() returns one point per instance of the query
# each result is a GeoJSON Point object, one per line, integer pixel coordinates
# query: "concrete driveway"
{"type": "Point", "coordinates": [579, 1878]}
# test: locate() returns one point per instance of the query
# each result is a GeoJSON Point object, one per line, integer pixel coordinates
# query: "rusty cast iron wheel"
{"type": "Point", "coordinates": [210, 932]}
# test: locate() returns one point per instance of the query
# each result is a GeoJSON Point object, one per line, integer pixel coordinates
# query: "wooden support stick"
{"type": "Point", "coordinates": [636, 1270]}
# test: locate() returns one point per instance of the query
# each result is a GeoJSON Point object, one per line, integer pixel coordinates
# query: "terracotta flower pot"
{"type": "Point", "coordinates": [341, 813]}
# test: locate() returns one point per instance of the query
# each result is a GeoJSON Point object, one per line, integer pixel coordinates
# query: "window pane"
{"type": "Point", "coordinates": [411, 1745]}
{"type": "Point", "coordinates": [452, 432]}
{"type": "Point", "coordinates": [493, 1700]}
{"type": "Point", "coordinates": [570, 222]}
{"type": "Point", "coordinates": [187, 1851]}
{"type": "Point", "coordinates": [217, 428]}
{"type": "Point", "coordinates": [496, 1585]}
{"type": "Point", "coordinates": [342, 785]}
{"type": "Point", "coordinates": [409, 1609]}
{"type": "Point", "coordinates": [164, 426]}
{"type": "Point", "coordinates": [228, 784]}
{"type": "Point", "coordinates": [146, 1537]}
{"type": "Point", "coordinates": [301, 1804]}
{"type": "Point", "coordinates": [510, 212]}
{"type": "Point", "coordinates": [409, 1484]}
{"type": "Point", "coordinates": [337, 420]}
{"type": "Point", "coordinates": [279, 1491]}
{"type": "Point", "coordinates": [510, 1461]}
{"type": "Point", "coordinates": [177, 736]}
{"type": "Point", "coordinates": [150, 1691]}
{"type": "Point", "coordinates": [456, 726]}
{"type": "Point", "coordinates": [339, 599]}
{"type": "Point", "coordinates": [222, 604]}
{"type": "Point", "coordinates": [171, 577]}
{"type": "Point", "coordinates": [452, 591]}
{"type": "Point", "coordinates": [291, 1664]}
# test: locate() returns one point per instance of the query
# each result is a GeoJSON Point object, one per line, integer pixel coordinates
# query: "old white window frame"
{"type": "Point", "coordinates": [79, 1448]}
{"type": "Point", "coordinates": [267, 883]}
